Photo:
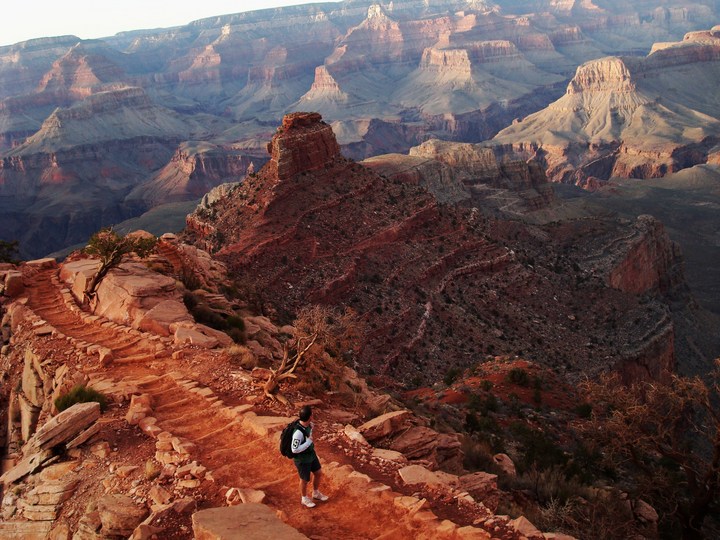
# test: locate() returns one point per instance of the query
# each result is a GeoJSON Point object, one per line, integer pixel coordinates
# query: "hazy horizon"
{"type": "Point", "coordinates": [87, 19]}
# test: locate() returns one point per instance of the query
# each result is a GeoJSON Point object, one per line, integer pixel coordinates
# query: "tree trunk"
{"type": "Point", "coordinates": [95, 281]}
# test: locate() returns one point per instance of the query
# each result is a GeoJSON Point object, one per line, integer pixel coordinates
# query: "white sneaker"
{"type": "Point", "coordinates": [306, 501]}
{"type": "Point", "coordinates": [319, 496]}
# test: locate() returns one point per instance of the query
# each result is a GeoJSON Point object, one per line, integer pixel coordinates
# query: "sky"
{"type": "Point", "coordinates": [21, 20]}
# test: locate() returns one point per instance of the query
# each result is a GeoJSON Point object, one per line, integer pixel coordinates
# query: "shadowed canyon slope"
{"type": "Point", "coordinates": [117, 121]}
{"type": "Point", "coordinates": [630, 117]}
{"type": "Point", "coordinates": [435, 281]}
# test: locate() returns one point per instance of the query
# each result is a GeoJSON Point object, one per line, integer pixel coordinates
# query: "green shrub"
{"type": "Point", "coordinates": [233, 321]}
{"type": "Point", "coordinates": [482, 404]}
{"type": "Point", "coordinates": [537, 449]}
{"type": "Point", "coordinates": [206, 315]}
{"type": "Point", "coordinates": [237, 335]}
{"type": "Point", "coordinates": [518, 376]}
{"type": "Point", "coordinates": [486, 385]}
{"type": "Point", "coordinates": [190, 300]}
{"type": "Point", "coordinates": [584, 410]}
{"type": "Point", "coordinates": [478, 455]}
{"type": "Point", "coordinates": [475, 423]}
{"type": "Point", "coordinates": [451, 375]}
{"type": "Point", "coordinates": [80, 394]}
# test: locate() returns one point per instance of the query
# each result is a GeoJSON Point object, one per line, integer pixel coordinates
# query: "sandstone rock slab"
{"type": "Point", "coordinates": [27, 465]}
{"type": "Point", "coordinates": [264, 425]}
{"type": "Point", "coordinates": [120, 515]}
{"type": "Point", "coordinates": [159, 318]}
{"type": "Point", "coordinates": [64, 427]}
{"type": "Point", "coordinates": [14, 284]}
{"type": "Point", "coordinates": [250, 521]}
{"type": "Point", "coordinates": [417, 474]}
{"type": "Point", "coordinates": [27, 530]}
{"type": "Point", "coordinates": [524, 527]}
{"type": "Point", "coordinates": [384, 425]}
{"type": "Point", "coordinates": [192, 336]}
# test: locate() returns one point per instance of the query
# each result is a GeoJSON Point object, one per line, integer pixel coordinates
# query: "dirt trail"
{"type": "Point", "coordinates": [236, 454]}
{"type": "Point", "coordinates": [46, 300]}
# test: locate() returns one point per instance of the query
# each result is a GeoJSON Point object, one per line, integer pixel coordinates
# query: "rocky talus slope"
{"type": "Point", "coordinates": [629, 117]}
{"type": "Point", "coordinates": [181, 429]}
{"type": "Point", "coordinates": [438, 283]}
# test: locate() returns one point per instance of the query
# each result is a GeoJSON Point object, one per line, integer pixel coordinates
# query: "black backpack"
{"type": "Point", "coordinates": [286, 439]}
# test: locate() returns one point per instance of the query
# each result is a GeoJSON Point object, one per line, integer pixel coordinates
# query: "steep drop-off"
{"type": "Point", "coordinates": [436, 285]}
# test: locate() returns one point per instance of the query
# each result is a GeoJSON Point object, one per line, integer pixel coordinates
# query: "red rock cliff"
{"type": "Point", "coordinates": [651, 260]}
{"type": "Point", "coordinates": [303, 143]}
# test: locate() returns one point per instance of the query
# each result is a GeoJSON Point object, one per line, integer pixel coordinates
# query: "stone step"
{"type": "Point", "coordinates": [27, 530]}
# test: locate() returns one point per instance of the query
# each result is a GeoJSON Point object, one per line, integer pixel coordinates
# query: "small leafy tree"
{"type": "Point", "coordinates": [111, 248]}
{"type": "Point", "coordinates": [8, 251]}
{"type": "Point", "coordinates": [666, 437]}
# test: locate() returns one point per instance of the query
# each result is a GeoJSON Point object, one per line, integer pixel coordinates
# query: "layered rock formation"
{"type": "Point", "coordinates": [629, 117]}
{"type": "Point", "coordinates": [455, 172]}
{"type": "Point", "coordinates": [193, 171]}
{"type": "Point", "coordinates": [307, 144]}
{"type": "Point", "coordinates": [434, 281]}
{"type": "Point", "coordinates": [385, 75]}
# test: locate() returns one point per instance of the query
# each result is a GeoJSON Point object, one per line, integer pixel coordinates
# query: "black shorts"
{"type": "Point", "coordinates": [304, 469]}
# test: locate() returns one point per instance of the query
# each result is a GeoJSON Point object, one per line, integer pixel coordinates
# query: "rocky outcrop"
{"type": "Point", "coordinates": [420, 271]}
{"type": "Point", "coordinates": [23, 65]}
{"type": "Point", "coordinates": [325, 87]}
{"type": "Point", "coordinates": [606, 75]}
{"type": "Point", "coordinates": [193, 171]}
{"type": "Point", "coordinates": [402, 432]}
{"type": "Point", "coordinates": [303, 143]}
{"type": "Point", "coordinates": [621, 117]}
{"type": "Point", "coordinates": [129, 295]}
{"type": "Point", "coordinates": [61, 430]}
{"type": "Point", "coordinates": [478, 167]}
{"type": "Point", "coordinates": [437, 178]}
{"type": "Point", "coordinates": [650, 262]}
{"type": "Point", "coordinates": [81, 70]}
{"type": "Point", "coordinates": [116, 114]}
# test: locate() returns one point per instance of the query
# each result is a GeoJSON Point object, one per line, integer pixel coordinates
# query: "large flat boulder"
{"type": "Point", "coordinates": [14, 283]}
{"type": "Point", "coordinates": [417, 474]}
{"type": "Point", "coordinates": [193, 336]}
{"type": "Point", "coordinates": [385, 425]}
{"type": "Point", "coordinates": [120, 515]}
{"type": "Point", "coordinates": [249, 521]}
{"type": "Point", "coordinates": [64, 427]}
{"type": "Point", "coordinates": [441, 450]}
{"type": "Point", "coordinates": [158, 319]}
{"type": "Point", "coordinates": [129, 294]}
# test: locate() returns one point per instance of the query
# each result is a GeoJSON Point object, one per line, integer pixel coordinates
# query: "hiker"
{"type": "Point", "coordinates": [306, 459]}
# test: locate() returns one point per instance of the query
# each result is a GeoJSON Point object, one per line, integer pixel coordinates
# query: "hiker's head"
{"type": "Point", "coordinates": [305, 413]}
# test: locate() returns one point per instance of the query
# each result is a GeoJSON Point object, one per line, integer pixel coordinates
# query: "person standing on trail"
{"type": "Point", "coordinates": [306, 459]}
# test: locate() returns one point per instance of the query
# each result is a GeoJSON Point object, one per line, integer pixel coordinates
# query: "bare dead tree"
{"type": "Point", "coordinates": [320, 331]}
{"type": "Point", "coordinates": [287, 369]}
